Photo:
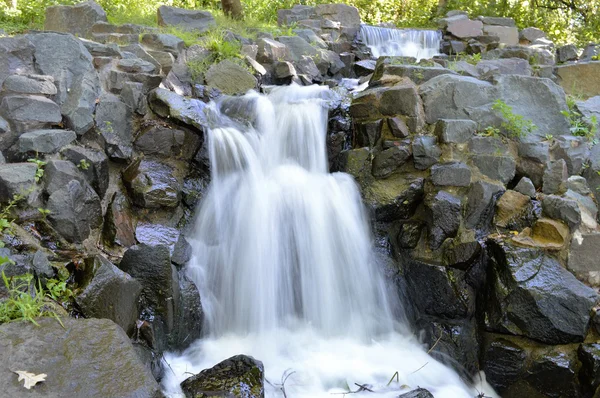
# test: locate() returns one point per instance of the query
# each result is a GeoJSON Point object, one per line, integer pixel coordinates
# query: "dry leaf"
{"type": "Point", "coordinates": [31, 379]}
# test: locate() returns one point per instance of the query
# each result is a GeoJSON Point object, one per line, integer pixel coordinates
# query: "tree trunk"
{"type": "Point", "coordinates": [232, 8]}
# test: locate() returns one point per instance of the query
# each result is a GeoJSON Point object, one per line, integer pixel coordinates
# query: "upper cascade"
{"type": "Point", "coordinates": [417, 43]}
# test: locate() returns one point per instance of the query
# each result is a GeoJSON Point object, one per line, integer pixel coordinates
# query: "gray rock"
{"type": "Point", "coordinates": [77, 19]}
{"type": "Point", "coordinates": [113, 121]}
{"type": "Point", "coordinates": [455, 131]}
{"type": "Point", "coordinates": [92, 163]}
{"type": "Point", "coordinates": [579, 78]}
{"type": "Point", "coordinates": [390, 201]}
{"type": "Point", "coordinates": [74, 75]}
{"type": "Point", "coordinates": [446, 212]}
{"type": "Point", "coordinates": [578, 184]}
{"type": "Point", "coordinates": [188, 111]}
{"type": "Point", "coordinates": [136, 65]}
{"type": "Point", "coordinates": [132, 94]}
{"type": "Point", "coordinates": [388, 72]}
{"type": "Point", "coordinates": [58, 174]}
{"type": "Point", "coordinates": [481, 201]}
{"type": "Point", "coordinates": [532, 295]}
{"type": "Point", "coordinates": [16, 56]}
{"type": "Point", "coordinates": [156, 234]}
{"type": "Point", "coordinates": [499, 168]}
{"type": "Point", "coordinates": [29, 84]}
{"type": "Point", "coordinates": [573, 150]}
{"type": "Point", "coordinates": [295, 14]}
{"type": "Point", "coordinates": [182, 252]}
{"type": "Point", "coordinates": [533, 158]}
{"type": "Point", "coordinates": [230, 78]}
{"type": "Point", "coordinates": [451, 174]}
{"type": "Point", "coordinates": [311, 37]}
{"type": "Point", "coordinates": [29, 111]}
{"type": "Point", "coordinates": [168, 143]}
{"type": "Point", "coordinates": [296, 46]}
{"type": "Point", "coordinates": [306, 66]}
{"type": "Point", "coordinates": [75, 210]}
{"type": "Point", "coordinates": [109, 293]}
{"type": "Point", "coordinates": [506, 34]}
{"type": "Point", "coordinates": [142, 53]}
{"type": "Point", "coordinates": [188, 325]}
{"type": "Point", "coordinates": [91, 356]}
{"type": "Point", "coordinates": [102, 50]}
{"type": "Point", "coordinates": [504, 66]}
{"type": "Point", "coordinates": [270, 51]}
{"type": "Point", "coordinates": [283, 70]}
{"type": "Point", "coordinates": [16, 179]}
{"type": "Point", "coordinates": [152, 184]}
{"type": "Point", "coordinates": [163, 42]}
{"type": "Point", "coordinates": [118, 226]}
{"type": "Point", "coordinates": [426, 152]}
{"type": "Point", "coordinates": [464, 28]}
{"type": "Point", "coordinates": [566, 53]}
{"type": "Point", "coordinates": [41, 265]}
{"type": "Point", "coordinates": [563, 209]}
{"type": "Point", "coordinates": [539, 56]}
{"type": "Point", "coordinates": [388, 160]}
{"type": "Point", "coordinates": [198, 21]}
{"type": "Point", "coordinates": [118, 80]}
{"type": "Point", "coordinates": [526, 187]}
{"type": "Point", "coordinates": [165, 59]}
{"type": "Point", "coordinates": [45, 141]}
{"type": "Point", "coordinates": [583, 257]}
{"type": "Point", "coordinates": [529, 35]}
{"type": "Point", "coordinates": [418, 393]}
{"type": "Point", "coordinates": [398, 127]}
{"type": "Point", "coordinates": [238, 373]}
{"type": "Point", "coordinates": [555, 177]}
{"type": "Point", "coordinates": [589, 109]}
{"type": "Point", "coordinates": [403, 99]}
{"type": "Point", "coordinates": [589, 356]}
{"type": "Point", "coordinates": [497, 21]}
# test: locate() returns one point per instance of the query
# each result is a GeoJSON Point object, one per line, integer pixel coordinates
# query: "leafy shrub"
{"type": "Point", "coordinates": [515, 125]}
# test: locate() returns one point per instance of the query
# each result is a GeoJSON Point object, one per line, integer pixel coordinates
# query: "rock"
{"type": "Point", "coordinates": [239, 376]}
{"type": "Point", "coordinates": [555, 375]}
{"type": "Point", "coordinates": [418, 393]}
{"type": "Point", "coordinates": [546, 234]}
{"type": "Point", "coordinates": [510, 208]}
{"type": "Point", "coordinates": [579, 185]}
{"type": "Point", "coordinates": [392, 199]}
{"type": "Point", "coordinates": [29, 111]}
{"type": "Point", "coordinates": [92, 163]}
{"type": "Point", "coordinates": [507, 34]}
{"type": "Point", "coordinates": [45, 141]}
{"type": "Point", "coordinates": [165, 59]}
{"type": "Point", "coordinates": [74, 211]}
{"type": "Point", "coordinates": [16, 179]}
{"type": "Point", "coordinates": [152, 184]}
{"type": "Point", "coordinates": [403, 99]}
{"type": "Point", "coordinates": [589, 109]}
{"type": "Point", "coordinates": [555, 177]}
{"type": "Point", "coordinates": [118, 80]}
{"type": "Point", "coordinates": [29, 84]}
{"type": "Point", "coordinates": [589, 356]}
{"type": "Point", "coordinates": [182, 252]}
{"type": "Point", "coordinates": [163, 42]}
{"type": "Point", "coordinates": [398, 127]}
{"type": "Point", "coordinates": [587, 208]}
{"type": "Point", "coordinates": [499, 168]}
{"type": "Point", "coordinates": [533, 157]}
{"type": "Point", "coordinates": [481, 204]}
{"type": "Point", "coordinates": [388, 160]}
{"type": "Point", "coordinates": [134, 97]}
{"type": "Point", "coordinates": [189, 111]}
{"type": "Point", "coordinates": [488, 68]}
{"type": "Point", "coordinates": [562, 209]}
{"type": "Point", "coordinates": [16, 56]}
{"type": "Point", "coordinates": [135, 65]}
{"type": "Point", "coordinates": [504, 362]}
{"type": "Point", "coordinates": [58, 174]}
{"type": "Point", "coordinates": [464, 28]}
{"type": "Point", "coordinates": [580, 78]}
{"type": "Point", "coordinates": [109, 294]}
{"type": "Point", "coordinates": [535, 56]}
{"type": "Point", "coordinates": [77, 19]}
{"type": "Point", "coordinates": [368, 133]}
{"type": "Point", "coordinates": [297, 47]}
{"type": "Point", "coordinates": [451, 174]}
{"type": "Point", "coordinates": [198, 21]}
{"type": "Point", "coordinates": [155, 234]}
{"type": "Point", "coordinates": [455, 131]}
{"type": "Point", "coordinates": [532, 295]}
{"type": "Point", "coordinates": [151, 266]}
{"type": "Point", "coordinates": [283, 70]}
{"type": "Point", "coordinates": [270, 51]}
{"type": "Point", "coordinates": [390, 70]}
{"type": "Point", "coordinates": [529, 35]}
{"type": "Point", "coordinates": [74, 75]}
{"type": "Point", "coordinates": [426, 153]}
{"type": "Point", "coordinates": [91, 356]}
{"type": "Point", "coordinates": [168, 143]}
{"type": "Point", "coordinates": [113, 121]}
{"type": "Point", "coordinates": [566, 53]}
{"type": "Point", "coordinates": [118, 222]}
{"type": "Point", "coordinates": [190, 315]}
{"type": "Point", "coordinates": [102, 50]}
{"type": "Point", "coordinates": [573, 150]}
{"type": "Point", "coordinates": [583, 259]}
{"type": "Point", "coordinates": [446, 212]}
{"type": "Point", "coordinates": [526, 187]}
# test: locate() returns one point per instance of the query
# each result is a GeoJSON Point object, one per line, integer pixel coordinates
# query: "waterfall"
{"type": "Point", "coordinates": [420, 44]}
{"type": "Point", "coordinates": [284, 262]}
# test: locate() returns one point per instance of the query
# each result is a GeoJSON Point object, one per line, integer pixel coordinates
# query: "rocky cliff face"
{"type": "Point", "coordinates": [482, 177]}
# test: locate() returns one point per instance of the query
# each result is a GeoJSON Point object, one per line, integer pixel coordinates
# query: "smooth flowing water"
{"type": "Point", "coordinates": [420, 44]}
{"type": "Point", "coordinates": [284, 262]}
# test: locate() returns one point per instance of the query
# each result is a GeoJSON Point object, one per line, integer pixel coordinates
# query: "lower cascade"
{"type": "Point", "coordinates": [416, 43]}
{"type": "Point", "coordinates": [285, 266]}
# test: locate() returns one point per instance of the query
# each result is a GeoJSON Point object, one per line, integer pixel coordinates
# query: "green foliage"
{"type": "Point", "coordinates": [490, 131]}
{"type": "Point", "coordinates": [515, 125]}
{"type": "Point", "coordinates": [579, 126]}
{"type": "Point", "coordinates": [39, 173]}
{"type": "Point", "coordinates": [5, 218]}
{"type": "Point", "coordinates": [44, 212]}
{"type": "Point", "coordinates": [83, 164]}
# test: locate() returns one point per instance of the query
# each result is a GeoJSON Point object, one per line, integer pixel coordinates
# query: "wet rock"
{"type": "Point", "coordinates": [388, 160]}
{"type": "Point", "coordinates": [451, 174]}
{"type": "Point", "coordinates": [118, 222]}
{"type": "Point", "coordinates": [579, 78]}
{"type": "Point", "coordinates": [239, 376]}
{"type": "Point", "coordinates": [526, 187]}
{"type": "Point", "coordinates": [511, 206]}
{"type": "Point", "coordinates": [426, 152]}
{"type": "Point", "coordinates": [530, 294]}
{"type": "Point", "coordinates": [45, 141]}
{"type": "Point", "coordinates": [168, 142]}
{"type": "Point", "coordinates": [30, 111]}
{"type": "Point", "coordinates": [563, 209]}
{"type": "Point", "coordinates": [393, 200]}
{"type": "Point", "coordinates": [199, 21]}
{"type": "Point", "coordinates": [554, 375]}
{"type": "Point", "coordinates": [91, 356]}
{"type": "Point", "coordinates": [74, 211]}
{"type": "Point", "coordinates": [418, 393]}
{"type": "Point", "coordinates": [109, 293]}
{"type": "Point", "coordinates": [152, 184]}
{"type": "Point", "coordinates": [589, 355]}
{"type": "Point", "coordinates": [455, 131]}
{"type": "Point", "coordinates": [368, 133]}
{"type": "Point", "coordinates": [29, 84]}
{"type": "Point", "coordinates": [92, 163]}
{"type": "Point", "coordinates": [446, 214]}
{"type": "Point", "coordinates": [74, 75]}
{"type": "Point", "coordinates": [504, 362]}
{"type": "Point", "coordinates": [190, 316]}
{"type": "Point", "coordinates": [409, 234]}
{"type": "Point", "coordinates": [155, 234]}
{"type": "Point", "coordinates": [188, 111]}
{"type": "Point", "coordinates": [113, 121]}
{"type": "Point", "coordinates": [546, 234]}
{"type": "Point", "coordinates": [16, 179]}
{"type": "Point", "coordinates": [481, 204]}
{"type": "Point", "coordinates": [182, 252]}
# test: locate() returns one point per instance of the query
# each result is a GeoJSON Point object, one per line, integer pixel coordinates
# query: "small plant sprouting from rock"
{"type": "Point", "coordinates": [515, 125]}
{"type": "Point", "coordinates": [39, 173]}
{"type": "Point", "coordinates": [44, 212]}
{"type": "Point", "coordinates": [579, 126]}
{"type": "Point", "coordinates": [83, 164]}
{"type": "Point", "coordinates": [490, 131]}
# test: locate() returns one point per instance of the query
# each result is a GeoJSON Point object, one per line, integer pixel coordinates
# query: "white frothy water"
{"type": "Point", "coordinates": [420, 44]}
{"type": "Point", "coordinates": [284, 263]}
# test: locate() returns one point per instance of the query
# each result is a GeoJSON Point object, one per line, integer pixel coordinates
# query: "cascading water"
{"type": "Point", "coordinates": [284, 262]}
{"type": "Point", "coordinates": [420, 44]}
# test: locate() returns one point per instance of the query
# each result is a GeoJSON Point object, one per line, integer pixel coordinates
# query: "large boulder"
{"type": "Point", "coordinates": [77, 19]}
{"type": "Point", "coordinates": [25, 112]}
{"type": "Point", "coordinates": [189, 111]}
{"type": "Point", "coordinates": [446, 212]}
{"type": "Point", "coordinates": [530, 294]}
{"type": "Point", "coordinates": [153, 184]}
{"type": "Point", "coordinates": [93, 164]}
{"type": "Point", "coordinates": [66, 59]}
{"type": "Point", "coordinates": [16, 179]}
{"type": "Point", "coordinates": [196, 20]}
{"type": "Point", "coordinates": [45, 141]}
{"type": "Point", "coordinates": [481, 200]}
{"type": "Point", "coordinates": [29, 84]}
{"type": "Point", "coordinates": [16, 56]}
{"type": "Point", "coordinates": [109, 293]}
{"type": "Point", "coordinates": [118, 226]}
{"type": "Point", "coordinates": [81, 357]}
{"type": "Point", "coordinates": [113, 122]}
{"type": "Point", "coordinates": [239, 376]}
{"type": "Point", "coordinates": [580, 78]}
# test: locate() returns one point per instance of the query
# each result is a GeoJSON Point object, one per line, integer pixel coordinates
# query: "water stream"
{"type": "Point", "coordinates": [284, 262]}
{"type": "Point", "coordinates": [417, 43]}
